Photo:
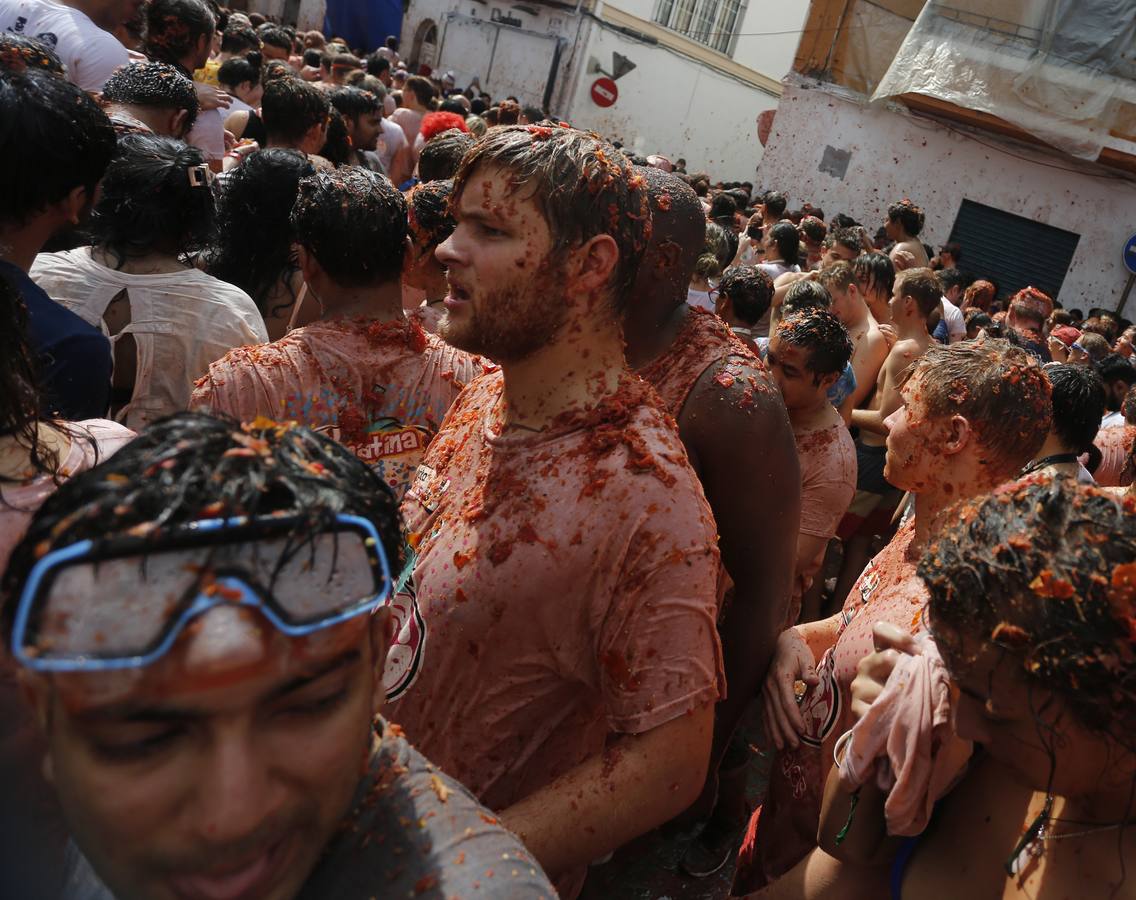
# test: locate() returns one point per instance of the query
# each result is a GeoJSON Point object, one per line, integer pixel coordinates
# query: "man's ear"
{"type": "Point", "coordinates": [74, 204]}
{"type": "Point", "coordinates": [309, 265]}
{"type": "Point", "coordinates": [409, 256]}
{"type": "Point", "coordinates": [179, 126]}
{"type": "Point", "coordinates": [958, 437]}
{"type": "Point", "coordinates": [592, 264]}
{"type": "Point", "coordinates": [827, 381]}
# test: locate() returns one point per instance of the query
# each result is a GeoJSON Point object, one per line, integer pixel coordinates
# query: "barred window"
{"type": "Point", "coordinates": [710, 22]}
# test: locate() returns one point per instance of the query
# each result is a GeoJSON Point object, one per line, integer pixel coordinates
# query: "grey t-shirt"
{"type": "Point", "coordinates": [411, 832]}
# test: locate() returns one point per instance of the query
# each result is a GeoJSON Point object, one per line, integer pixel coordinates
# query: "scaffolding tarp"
{"type": "Point", "coordinates": [1061, 70]}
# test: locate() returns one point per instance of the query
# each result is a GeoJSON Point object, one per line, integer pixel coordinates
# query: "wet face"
{"type": "Point", "coordinates": [897, 305]}
{"type": "Point", "coordinates": [365, 131]}
{"type": "Point", "coordinates": [788, 364]}
{"type": "Point", "coordinates": [894, 232]}
{"type": "Point", "coordinates": [836, 253]}
{"type": "Point", "coordinates": [843, 302]}
{"type": "Point", "coordinates": [913, 436]}
{"type": "Point", "coordinates": [223, 769]}
{"type": "Point", "coordinates": [1029, 729]}
{"type": "Point", "coordinates": [505, 300]}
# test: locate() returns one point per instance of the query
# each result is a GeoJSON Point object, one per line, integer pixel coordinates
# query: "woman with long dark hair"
{"type": "Point", "coordinates": [253, 247]}
{"type": "Point", "coordinates": [167, 320]}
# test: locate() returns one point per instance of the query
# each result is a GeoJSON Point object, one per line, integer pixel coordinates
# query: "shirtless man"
{"type": "Point", "coordinates": [904, 222]}
{"type": "Point", "coordinates": [734, 426]}
{"type": "Point", "coordinates": [869, 346]}
{"type": "Point", "coordinates": [916, 295]}
{"type": "Point", "coordinates": [875, 276]}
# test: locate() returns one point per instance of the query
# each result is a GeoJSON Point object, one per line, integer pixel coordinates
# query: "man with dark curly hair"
{"type": "Point", "coordinates": [903, 225]}
{"type": "Point", "coordinates": [358, 370]}
{"type": "Point", "coordinates": [150, 97]}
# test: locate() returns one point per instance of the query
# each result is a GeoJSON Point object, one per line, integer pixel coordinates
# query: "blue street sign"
{"type": "Point", "coordinates": [1130, 255]}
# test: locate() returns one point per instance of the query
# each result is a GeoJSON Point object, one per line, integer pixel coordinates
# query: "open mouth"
{"type": "Point", "coordinates": [457, 296]}
{"type": "Point", "coordinates": [244, 880]}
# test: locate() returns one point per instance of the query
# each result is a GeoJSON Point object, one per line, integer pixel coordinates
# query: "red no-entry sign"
{"type": "Point", "coordinates": [604, 92]}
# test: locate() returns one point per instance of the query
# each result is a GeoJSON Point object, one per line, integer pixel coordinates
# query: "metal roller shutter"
{"type": "Point", "coordinates": [1012, 251]}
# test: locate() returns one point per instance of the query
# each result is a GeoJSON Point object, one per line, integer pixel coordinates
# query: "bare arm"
{"type": "Point", "coordinates": [742, 445]}
{"type": "Point", "coordinates": [809, 550]}
{"type": "Point", "coordinates": [867, 364]}
{"type": "Point", "coordinates": [890, 398]}
{"type": "Point", "coordinates": [637, 783]}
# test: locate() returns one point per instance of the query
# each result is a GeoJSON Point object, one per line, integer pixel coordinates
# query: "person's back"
{"type": "Point", "coordinates": [904, 223]}
{"type": "Point", "coordinates": [88, 49]}
{"type": "Point", "coordinates": [167, 319]}
{"type": "Point", "coordinates": [362, 373]}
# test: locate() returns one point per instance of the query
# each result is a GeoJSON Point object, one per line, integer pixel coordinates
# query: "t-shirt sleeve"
{"type": "Point", "coordinates": [76, 376]}
{"type": "Point", "coordinates": [208, 134]}
{"type": "Point", "coordinates": [659, 653]}
{"type": "Point", "coordinates": [101, 55]}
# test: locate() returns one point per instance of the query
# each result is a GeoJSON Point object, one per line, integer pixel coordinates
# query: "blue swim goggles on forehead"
{"type": "Point", "coordinates": [121, 603]}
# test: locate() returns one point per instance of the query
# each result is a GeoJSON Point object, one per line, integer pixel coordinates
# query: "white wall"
{"type": "Point", "coordinates": [894, 156]}
{"type": "Point", "coordinates": [310, 16]}
{"type": "Point", "coordinates": [669, 104]}
{"type": "Point", "coordinates": [673, 106]}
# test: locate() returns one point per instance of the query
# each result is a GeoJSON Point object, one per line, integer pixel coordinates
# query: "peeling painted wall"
{"type": "Point", "coordinates": [891, 155]}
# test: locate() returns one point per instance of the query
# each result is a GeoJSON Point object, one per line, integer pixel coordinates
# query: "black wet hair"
{"type": "Point", "coordinates": [275, 37]}
{"type": "Point", "coordinates": [253, 249]}
{"type": "Point", "coordinates": [723, 206]}
{"type": "Point", "coordinates": [174, 28]}
{"type": "Point", "coordinates": [784, 234]}
{"type": "Point", "coordinates": [336, 147]}
{"type": "Point", "coordinates": [908, 215]}
{"type": "Point", "coordinates": [312, 58]}
{"type": "Point", "coordinates": [1078, 404]}
{"type": "Point", "coordinates": [354, 223]}
{"type": "Point", "coordinates": [1044, 570]}
{"type": "Point", "coordinates": [953, 249]}
{"type": "Point", "coordinates": [194, 466]}
{"type": "Point", "coordinates": [290, 107]}
{"type": "Point", "coordinates": [377, 64]}
{"type": "Point", "coordinates": [150, 203]}
{"type": "Point", "coordinates": [750, 291]}
{"type": "Point", "coordinates": [877, 270]}
{"type": "Point", "coordinates": [152, 84]}
{"type": "Point", "coordinates": [443, 154]}
{"type": "Point", "coordinates": [822, 335]}
{"type": "Point", "coordinates": [775, 203]}
{"type": "Point", "coordinates": [952, 277]}
{"type": "Point", "coordinates": [19, 52]}
{"type": "Point", "coordinates": [238, 70]}
{"type": "Point", "coordinates": [353, 102]}
{"type": "Point", "coordinates": [53, 138]}
{"type": "Point", "coordinates": [922, 286]}
{"type": "Point", "coordinates": [842, 220]}
{"type": "Point", "coordinates": [534, 114]}
{"type": "Point", "coordinates": [431, 220]}
{"type": "Point", "coordinates": [813, 228]}
{"type": "Point", "coordinates": [803, 295]}
{"type": "Point", "coordinates": [239, 39]}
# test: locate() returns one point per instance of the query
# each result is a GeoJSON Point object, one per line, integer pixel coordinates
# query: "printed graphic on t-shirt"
{"type": "Point", "coordinates": [404, 661]}
{"type": "Point", "coordinates": [46, 37]}
{"type": "Point", "coordinates": [821, 707]}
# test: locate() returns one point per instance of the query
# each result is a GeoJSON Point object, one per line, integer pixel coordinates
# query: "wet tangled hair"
{"type": "Point", "coordinates": [822, 336]}
{"type": "Point", "coordinates": [980, 294]}
{"type": "Point", "coordinates": [998, 388]}
{"type": "Point", "coordinates": [194, 466]}
{"type": "Point", "coordinates": [18, 52]}
{"type": "Point", "coordinates": [152, 84]}
{"type": "Point", "coordinates": [1078, 404]}
{"type": "Point", "coordinates": [148, 202]}
{"type": "Point", "coordinates": [715, 252]}
{"type": "Point", "coordinates": [19, 382]}
{"type": "Point", "coordinates": [788, 241]}
{"type": "Point", "coordinates": [431, 220]}
{"type": "Point", "coordinates": [354, 223]}
{"type": "Point", "coordinates": [253, 249]}
{"type": "Point", "coordinates": [582, 185]}
{"type": "Point", "coordinates": [804, 295]}
{"type": "Point", "coordinates": [922, 286]}
{"type": "Point", "coordinates": [908, 215]}
{"type": "Point", "coordinates": [749, 290]}
{"type": "Point", "coordinates": [1045, 569]}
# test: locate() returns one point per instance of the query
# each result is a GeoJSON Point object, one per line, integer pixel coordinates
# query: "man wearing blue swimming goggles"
{"type": "Point", "coordinates": [201, 627]}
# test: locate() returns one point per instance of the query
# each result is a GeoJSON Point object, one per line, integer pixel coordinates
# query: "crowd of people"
{"type": "Point", "coordinates": [407, 494]}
